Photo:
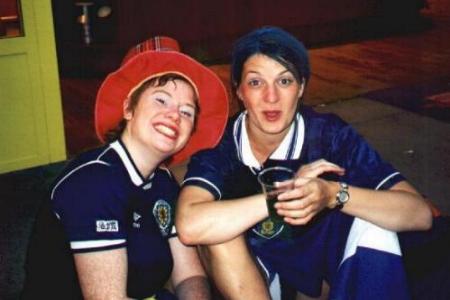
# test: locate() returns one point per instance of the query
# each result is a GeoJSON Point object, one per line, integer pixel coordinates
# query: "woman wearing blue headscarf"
{"type": "Point", "coordinates": [340, 221]}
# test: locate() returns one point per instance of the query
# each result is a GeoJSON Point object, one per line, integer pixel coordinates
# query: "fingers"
{"type": "Point", "coordinates": [298, 204]}
{"type": "Point", "coordinates": [298, 221]}
{"type": "Point", "coordinates": [294, 189]}
{"type": "Point", "coordinates": [319, 167]}
{"type": "Point", "coordinates": [301, 204]}
{"type": "Point", "coordinates": [299, 216]}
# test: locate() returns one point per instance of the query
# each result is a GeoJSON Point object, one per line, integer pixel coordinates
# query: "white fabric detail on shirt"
{"type": "Point", "coordinates": [263, 267]}
{"type": "Point", "coordinates": [386, 179]}
{"type": "Point", "coordinates": [205, 181]}
{"type": "Point", "coordinates": [73, 171]}
{"type": "Point", "coordinates": [247, 154]}
{"type": "Point", "coordinates": [275, 288]}
{"type": "Point", "coordinates": [282, 150]}
{"type": "Point", "coordinates": [236, 136]}
{"type": "Point", "coordinates": [368, 235]}
{"type": "Point", "coordinates": [95, 244]}
{"type": "Point", "coordinates": [300, 136]}
{"type": "Point", "coordinates": [274, 285]}
{"type": "Point", "coordinates": [134, 174]}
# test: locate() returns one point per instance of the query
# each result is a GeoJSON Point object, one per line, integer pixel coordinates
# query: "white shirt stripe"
{"type": "Point", "coordinates": [95, 244]}
{"type": "Point", "coordinates": [205, 181]}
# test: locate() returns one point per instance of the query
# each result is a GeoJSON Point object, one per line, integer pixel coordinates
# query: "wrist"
{"type": "Point", "coordinates": [334, 189]}
{"type": "Point", "coordinates": [263, 205]}
{"type": "Point", "coordinates": [343, 195]}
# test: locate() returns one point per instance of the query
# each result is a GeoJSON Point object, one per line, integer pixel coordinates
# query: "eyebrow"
{"type": "Point", "coordinates": [281, 73]}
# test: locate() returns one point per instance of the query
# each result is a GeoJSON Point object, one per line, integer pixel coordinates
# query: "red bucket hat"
{"type": "Point", "coordinates": [154, 57]}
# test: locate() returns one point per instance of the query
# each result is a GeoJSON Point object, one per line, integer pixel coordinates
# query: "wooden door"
{"type": "Point", "coordinates": [31, 124]}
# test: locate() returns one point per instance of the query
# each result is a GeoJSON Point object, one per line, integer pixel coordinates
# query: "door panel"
{"type": "Point", "coordinates": [31, 131]}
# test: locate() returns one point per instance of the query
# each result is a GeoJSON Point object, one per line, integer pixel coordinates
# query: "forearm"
{"type": "Point", "coordinates": [211, 222]}
{"type": "Point", "coordinates": [396, 209]}
{"type": "Point", "coordinates": [193, 288]}
{"type": "Point", "coordinates": [399, 209]}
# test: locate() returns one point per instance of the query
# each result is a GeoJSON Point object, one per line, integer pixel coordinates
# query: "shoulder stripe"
{"type": "Point", "coordinates": [386, 179]}
{"type": "Point", "coordinates": [205, 181]}
{"type": "Point", "coordinates": [95, 244]}
{"type": "Point", "coordinates": [75, 170]}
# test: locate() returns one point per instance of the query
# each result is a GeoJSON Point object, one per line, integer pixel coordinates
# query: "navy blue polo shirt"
{"type": "Point", "coordinates": [103, 202]}
{"type": "Point", "coordinates": [302, 255]}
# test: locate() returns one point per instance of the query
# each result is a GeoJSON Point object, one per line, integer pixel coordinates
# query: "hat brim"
{"type": "Point", "coordinates": [213, 97]}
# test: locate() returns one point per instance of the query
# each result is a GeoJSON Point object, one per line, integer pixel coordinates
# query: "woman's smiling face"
{"type": "Point", "coordinates": [163, 118]}
{"type": "Point", "coordinates": [270, 93]}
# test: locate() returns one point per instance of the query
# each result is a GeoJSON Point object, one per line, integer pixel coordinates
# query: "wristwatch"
{"type": "Point", "coordinates": [342, 196]}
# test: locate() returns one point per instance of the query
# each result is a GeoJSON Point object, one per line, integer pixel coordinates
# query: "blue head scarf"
{"type": "Point", "coordinates": [274, 43]}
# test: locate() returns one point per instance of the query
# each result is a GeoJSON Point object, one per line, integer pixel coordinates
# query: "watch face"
{"type": "Point", "coordinates": [343, 196]}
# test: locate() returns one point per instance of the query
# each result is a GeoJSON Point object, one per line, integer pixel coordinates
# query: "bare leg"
{"type": "Point", "coordinates": [234, 271]}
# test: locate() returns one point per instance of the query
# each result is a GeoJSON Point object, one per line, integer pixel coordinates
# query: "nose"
{"type": "Point", "coordinates": [173, 113]}
{"type": "Point", "coordinates": [271, 93]}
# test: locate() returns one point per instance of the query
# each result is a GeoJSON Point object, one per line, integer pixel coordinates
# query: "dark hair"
{"type": "Point", "coordinates": [274, 43]}
{"type": "Point", "coordinates": [136, 95]}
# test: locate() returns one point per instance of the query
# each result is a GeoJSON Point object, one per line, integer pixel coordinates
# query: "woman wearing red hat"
{"type": "Point", "coordinates": [115, 205]}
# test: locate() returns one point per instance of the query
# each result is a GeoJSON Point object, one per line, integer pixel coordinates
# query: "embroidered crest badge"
{"type": "Point", "coordinates": [268, 228]}
{"type": "Point", "coordinates": [163, 215]}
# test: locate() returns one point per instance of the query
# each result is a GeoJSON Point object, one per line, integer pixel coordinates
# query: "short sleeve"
{"type": "Point", "coordinates": [209, 168]}
{"type": "Point", "coordinates": [89, 205]}
{"type": "Point", "coordinates": [364, 166]}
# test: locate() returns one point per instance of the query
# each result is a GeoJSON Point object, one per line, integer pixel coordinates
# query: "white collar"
{"type": "Point", "coordinates": [131, 168]}
{"type": "Point", "coordinates": [290, 147]}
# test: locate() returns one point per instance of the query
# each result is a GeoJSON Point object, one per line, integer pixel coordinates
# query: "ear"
{"type": "Point", "coordinates": [302, 89]}
{"type": "Point", "coordinates": [127, 113]}
{"type": "Point", "coordinates": [239, 93]}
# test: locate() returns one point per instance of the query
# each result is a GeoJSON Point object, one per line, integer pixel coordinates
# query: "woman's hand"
{"type": "Point", "coordinates": [318, 167]}
{"type": "Point", "coordinates": [309, 194]}
{"type": "Point", "coordinates": [307, 198]}
{"type": "Point", "coordinates": [400, 208]}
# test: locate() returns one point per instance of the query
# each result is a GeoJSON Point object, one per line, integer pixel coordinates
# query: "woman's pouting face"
{"type": "Point", "coordinates": [163, 118]}
{"type": "Point", "coordinates": [270, 93]}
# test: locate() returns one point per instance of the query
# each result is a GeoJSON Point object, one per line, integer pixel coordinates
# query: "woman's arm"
{"type": "Point", "coordinates": [102, 274]}
{"type": "Point", "coordinates": [202, 220]}
{"type": "Point", "coordinates": [400, 208]}
{"type": "Point", "coordinates": [188, 276]}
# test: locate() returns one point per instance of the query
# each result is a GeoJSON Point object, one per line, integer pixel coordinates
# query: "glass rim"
{"type": "Point", "coordinates": [281, 168]}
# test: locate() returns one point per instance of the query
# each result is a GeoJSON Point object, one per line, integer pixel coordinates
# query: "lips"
{"type": "Point", "coordinates": [170, 132]}
{"type": "Point", "coordinates": [272, 115]}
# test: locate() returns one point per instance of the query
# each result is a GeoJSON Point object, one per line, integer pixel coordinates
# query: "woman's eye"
{"type": "Point", "coordinates": [254, 82]}
{"type": "Point", "coordinates": [187, 112]}
{"type": "Point", "coordinates": [160, 100]}
{"type": "Point", "coordinates": [286, 81]}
